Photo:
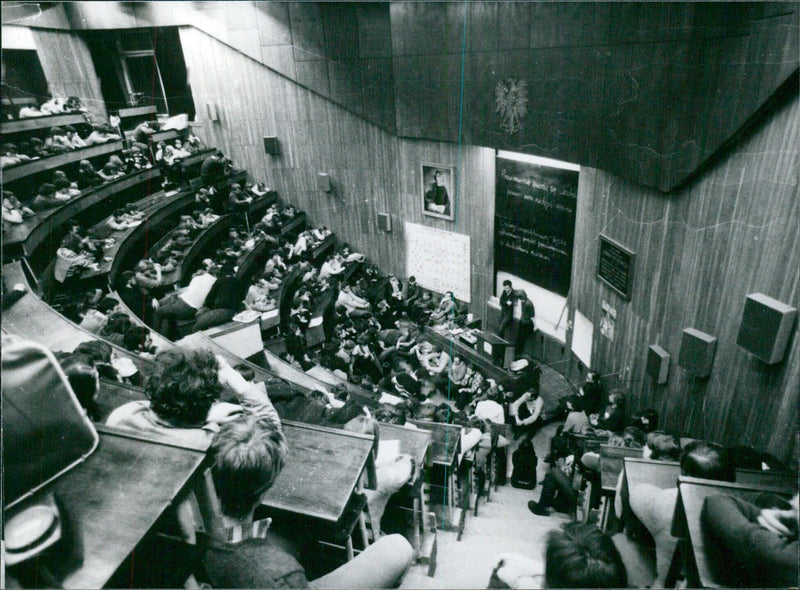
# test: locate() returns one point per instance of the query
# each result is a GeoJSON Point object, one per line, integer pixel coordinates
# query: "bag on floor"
{"type": "Point", "coordinates": [501, 462]}
{"type": "Point", "coordinates": [525, 463]}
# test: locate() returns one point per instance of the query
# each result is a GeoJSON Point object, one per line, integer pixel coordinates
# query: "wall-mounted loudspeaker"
{"type": "Point", "coordinates": [211, 111]}
{"type": "Point", "coordinates": [324, 182]}
{"type": "Point", "coordinates": [766, 326]}
{"type": "Point", "coordinates": [271, 146]}
{"type": "Point", "coordinates": [657, 364]}
{"type": "Point", "coordinates": [384, 222]}
{"type": "Point", "coordinates": [697, 352]}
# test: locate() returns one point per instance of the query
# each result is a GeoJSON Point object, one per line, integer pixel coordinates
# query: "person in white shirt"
{"type": "Point", "coordinates": [331, 267]}
{"type": "Point", "coordinates": [183, 306]}
{"type": "Point", "coordinates": [354, 305]}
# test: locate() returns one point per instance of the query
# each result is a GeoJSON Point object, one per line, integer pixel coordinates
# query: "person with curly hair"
{"type": "Point", "coordinates": [183, 398]}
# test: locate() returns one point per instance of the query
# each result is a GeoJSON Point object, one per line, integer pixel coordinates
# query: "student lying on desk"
{"type": "Point", "coordinates": [760, 545]}
{"type": "Point", "coordinates": [248, 454]}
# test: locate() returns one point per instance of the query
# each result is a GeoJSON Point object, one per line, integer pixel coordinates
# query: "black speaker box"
{"type": "Point", "coordinates": [697, 352]}
{"type": "Point", "coordinates": [657, 364]}
{"type": "Point", "coordinates": [766, 326]}
{"type": "Point", "coordinates": [271, 146]}
{"type": "Point", "coordinates": [384, 222]}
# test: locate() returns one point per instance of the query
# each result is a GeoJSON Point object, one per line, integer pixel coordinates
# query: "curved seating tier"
{"type": "Point", "coordinates": [36, 123]}
{"type": "Point", "coordinates": [127, 252]}
{"type": "Point", "coordinates": [209, 236]}
{"type": "Point", "coordinates": [151, 206]}
{"type": "Point", "coordinates": [295, 226]}
{"type": "Point", "coordinates": [32, 318]}
{"type": "Point", "coordinates": [26, 169]}
{"type": "Point", "coordinates": [26, 237]}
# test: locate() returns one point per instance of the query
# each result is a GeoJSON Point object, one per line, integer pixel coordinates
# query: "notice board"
{"type": "Point", "coordinates": [535, 222]}
{"type": "Point", "coordinates": [438, 259]}
{"type": "Point", "coordinates": [615, 266]}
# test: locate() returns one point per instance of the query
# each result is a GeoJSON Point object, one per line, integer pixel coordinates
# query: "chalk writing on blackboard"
{"type": "Point", "coordinates": [535, 222]}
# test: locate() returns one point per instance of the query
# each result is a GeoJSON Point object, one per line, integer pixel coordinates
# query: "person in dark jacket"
{"type": "Point", "coordinates": [223, 301]}
{"type": "Point", "coordinates": [506, 308]}
{"type": "Point", "coordinates": [525, 327]}
{"type": "Point", "coordinates": [755, 547]}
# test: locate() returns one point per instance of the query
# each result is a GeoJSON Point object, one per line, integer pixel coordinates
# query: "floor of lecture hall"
{"type": "Point", "coordinates": [503, 525]}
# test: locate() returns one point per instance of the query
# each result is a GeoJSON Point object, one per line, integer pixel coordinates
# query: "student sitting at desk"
{"type": "Point", "coordinates": [13, 210]}
{"type": "Point", "coordinates": [759, 545]}
{"type": "Point", "coordinates": [183, 398]}
{"type": "Point", "coordinates": [655, 507]}
{"type": "Point", "coordinates": [248, 455]}
{"type": "Point", "coordinates": [445, 310]}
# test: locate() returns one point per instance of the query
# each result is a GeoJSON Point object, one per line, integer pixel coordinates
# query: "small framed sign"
{"type": "Point", "coordinates": [615, 265]}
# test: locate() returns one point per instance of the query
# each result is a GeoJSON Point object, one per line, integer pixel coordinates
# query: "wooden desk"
{"type": "Point", "coordinates": [700, 570]}
{"type": "Point", "coordinates": [117, 495]}
{"type": "Point", "coordinates": [454, 345]}
{"type": "Point", "coordinates": [208, 238]}
{"type": "Point", "coordinates": [113, 394]}
{"type": "Point", "coordinates": [445, 441]}
{"type": "Point", "coordinates": [295, 225]}
{"type": "Point", "coordinates": [130, 247]}
{"type": "Point", "coordinates": [321, 473]}
{"type": "Point", "coordinates": [199, 340]}
{"type": "Point", "coordinates": [771, 478]}
{"type": "Point", "coordinates": [611, 464]}
{"type": "Point", "coordinates": [662, 474]}
{"type": "Point", "coordinates": [445, 446]}
{"type": "Point", "coordinates": [57, 161]}
{"type": "Point", "coordinates": [33, 123]}
{"type": "Point", "coordinates": [415, 443]}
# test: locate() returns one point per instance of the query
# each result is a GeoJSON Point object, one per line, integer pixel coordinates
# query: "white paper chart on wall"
{"type": "Point", "coordinates": [440, 260]}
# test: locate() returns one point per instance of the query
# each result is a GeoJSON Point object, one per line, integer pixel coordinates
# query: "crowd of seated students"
{"type": "Point", "coordinates": [53, 141]}
{"type": "Point", "coordinates": [169, 154]}
{"type": "Point", "coordinates": [56, 105]}
{"type": "Point", "coordinates": [61, 189]}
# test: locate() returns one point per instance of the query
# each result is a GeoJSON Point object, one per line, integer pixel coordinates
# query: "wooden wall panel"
{"type": "Point", "coordinates": [699, 252]}
{"type": "Point", "coordinates": [315, 135]}
{"type": "Point", "coordinates": [648, 91]}
{"type": "Point", "coordinates": [68, 67]}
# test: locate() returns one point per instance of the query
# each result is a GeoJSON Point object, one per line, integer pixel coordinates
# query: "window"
{"type": "Point", "coordinates": [142, 67]}
{"type": "Point", "coordinates": [23, 78]}
{"type": "Point", "coordinates": [138, 71]}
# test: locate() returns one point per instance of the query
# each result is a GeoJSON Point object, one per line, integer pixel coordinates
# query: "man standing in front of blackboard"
{"type": "Point", "coordinates": [506, 308]}
{"type": "Point", "coordinates": [525, 327]}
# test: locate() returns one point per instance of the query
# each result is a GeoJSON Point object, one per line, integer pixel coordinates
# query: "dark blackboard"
{"type": "Point", "coordinates": [615, 266]}
{"type": "Point", "coordinates": [535, 222]}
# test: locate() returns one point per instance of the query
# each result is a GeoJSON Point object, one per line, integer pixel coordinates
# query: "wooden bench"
{"type": "Point", "coordinates": [36, 123]}
{"type": "Point", "coordinates": [26, 169]}
{"type": "Point", "coordinates": [24, 238]}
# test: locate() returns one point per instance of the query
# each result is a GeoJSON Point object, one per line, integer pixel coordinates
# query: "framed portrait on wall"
{"type": "Point", "coordinates": [438, 197]}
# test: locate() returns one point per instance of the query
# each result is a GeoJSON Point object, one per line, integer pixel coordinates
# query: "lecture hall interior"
{"type": "Point", "coordinates": [456, 294]}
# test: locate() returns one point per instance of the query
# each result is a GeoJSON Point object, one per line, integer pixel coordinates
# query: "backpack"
{"type": "Point", "coordinates": [525, 463]}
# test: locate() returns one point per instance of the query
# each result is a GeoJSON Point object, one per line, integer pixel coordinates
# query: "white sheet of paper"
{"type": "Point", "coordinates": [315, 322]}
{"type": "Point", "coordinates": [388, 398]}
{"type": "Point", "coordinates": [388, 450]}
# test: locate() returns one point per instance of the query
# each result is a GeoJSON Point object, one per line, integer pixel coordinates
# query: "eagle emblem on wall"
{"type": "Point", "coordinates": [511, 103]}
